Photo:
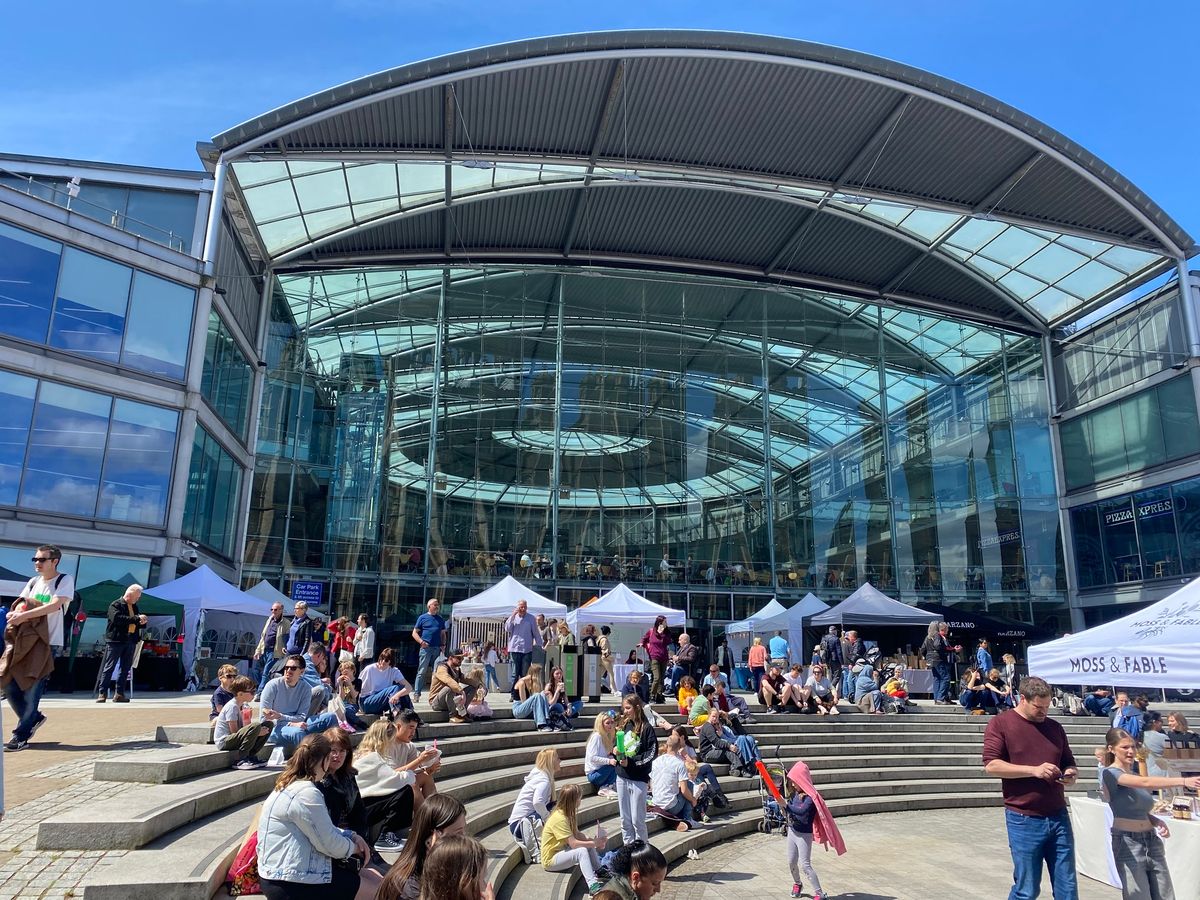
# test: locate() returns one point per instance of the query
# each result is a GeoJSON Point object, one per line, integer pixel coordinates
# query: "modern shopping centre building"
{"type": "Point", "coordinates": [791, 317]}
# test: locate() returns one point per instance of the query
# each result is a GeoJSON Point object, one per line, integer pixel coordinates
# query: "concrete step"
{"type": "Point", "coordinates": [189, 864]}
{"type": "Point", "coordinates": [136, 818]}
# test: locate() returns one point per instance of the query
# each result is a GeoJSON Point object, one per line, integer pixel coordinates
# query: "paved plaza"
{"type": "Point", "coordinates": [895, 856]}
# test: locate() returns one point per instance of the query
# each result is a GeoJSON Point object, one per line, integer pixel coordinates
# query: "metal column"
{"type": "Point", "coordinates": [435, 400]}
{"type": "Point", "coordinates": [216, 207]}
{"type": "Point", "coordinates": [768, 473]}
{"type": "Point", "coordinates": [556, 474]}
{"type": "Point", "coordinates": [291, 499]}
{"type": "Point", "coordinates": [885, 438]}
{"type": "Point", "coordinates": [1189, 308]}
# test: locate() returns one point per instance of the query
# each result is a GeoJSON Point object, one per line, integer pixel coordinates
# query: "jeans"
{"type": "Point", "coordinates": [584, 857]}
{"type": "Point", "coordinates": [941, 681]}
{"type": "Point", "coordinates": [1142, 865]}
{"type": "Point", "coordinates": [425, 663]}
{"type": "Point", "coordinates": [847, 692]}
{"type": "Point", "coordinates": [1034, 839]}
{"type": "Point", "coordinates": [706, 775]}
{"type": "Point", "coordinates": [343, 886]}
{"type": "Point", "coordinates": [289, 736]}
{"type": "Point", "coordinates": [262, 671]}
{"type": "Point", "coordinates": [376, 704]}
{"type": "Point", "coordinates": [1098, 706]}
{"type": "Point", "coordinates": [657, 670]}
{"type": "Point", "coordinates": [674, 674]}
{"type": "Point", "coordinates": [25, 704]}
{"type": "Point", "coordinates": [631, 801]}
{"type": "Point", "coordinates": [756, 677]}
{"type": "Point", "coordinates": [603, 777]}
{"type": "Point", "coordinates": [520, 665]}
{"type": "Point", "coordinates": [973, 699]}
{"type": "Point", "coordinates": [489, 679]}
{"type": "Point", "coordinates": [114, 652]}
{"type": "Point", "coordinates": [681, 809]}
{"type": "Point", "coordinates": [535, 708]}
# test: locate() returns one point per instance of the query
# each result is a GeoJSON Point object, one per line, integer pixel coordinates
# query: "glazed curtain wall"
{"type": "Point", "coordinates": [435, 429]}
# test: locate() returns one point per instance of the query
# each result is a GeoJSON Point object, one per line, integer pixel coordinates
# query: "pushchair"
{"type": "Point", "coordinates": [772, 784]}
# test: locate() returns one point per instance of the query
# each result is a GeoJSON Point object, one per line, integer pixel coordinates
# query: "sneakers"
{"type": "Point", "coordinates": [103, 698]}
{"type": "Point", "coordinates": [36, 725]}
{"type": "Point", "coordinates": [389, 843]}
{"type": "Point", "coordinates": [120, 698]}
{"type": "Point", "coordinates": [248, 764]}
{"type": "Point", "coordinates": [770, 711]}
{"type": "Point", "coordinates": [456, 719]}
{"type": "Point", "coordinates": [346, 726]}
{"type": "Point", "coordinates": [820, 896]}
{"type": "Point", "coordinates": [594, 888]}
{"type": "Point", "coordinates": [531, 849]}
{"type": "Point", "coordinates": [795, 890]}
{"type": "Point", "coordinates": [705, 819]}
{"type": "Point", "coordinates": [545, 728]}
{"type": "Point", "coordinates": [606, 792]}
{"type": "Point", "coordinates": [14, 745]}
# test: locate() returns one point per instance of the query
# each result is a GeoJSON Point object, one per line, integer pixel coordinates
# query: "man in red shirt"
{"type": "Point", "coordinates": [1029, 751]}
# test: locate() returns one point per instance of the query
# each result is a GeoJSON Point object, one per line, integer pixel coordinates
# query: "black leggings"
{"type": "Point", "coordinates": [343, 887]}
{"type": "Point", "coordinates": [390, 813]}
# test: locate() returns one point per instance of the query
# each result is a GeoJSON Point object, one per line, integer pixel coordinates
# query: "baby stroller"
{"type": "Point", "coordinates": [771, 786]}
{"type": "Point", "coordinates": [895, 704]}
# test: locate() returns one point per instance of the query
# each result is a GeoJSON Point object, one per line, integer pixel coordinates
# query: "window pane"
{"type": "Point", "coordinates": [1156, 528]}
{"type": "Point", "coordinates": [214, 490]}
{"type": "Point", "coordinates": [1106, 441]}
{"type": "Point", "coordinates": [1089, 555]}
{"type": "Point", "coordinates": [1143, 433]}
{"type": "Point", "coordinates": [93, 295]}
{"type": "Point", "coordinates": [1177, 409]}
{"type": "Point", "coordinates": [66, 450]}
{"type": "Point", "coordinates": [160, 326]}
{"type": "Point", "coordinates": [167, 217]}
{"type": "Point", "coordinates": [28, 270]}
{"type": "Point", "coordinates": [226, 381]}
{"type": "Point", "coordinates": [137, 470]}
{"type": "Point", "coordinates": [16, 399]}
{"type": "Point", "coordinates": [1185, 497]}
{"type": "Point", "coordinates": [1077, 457]}
{"type": "Point", "coordinates": [102, 202]}
{"type": "Point", "coordinates": [1120, 539]}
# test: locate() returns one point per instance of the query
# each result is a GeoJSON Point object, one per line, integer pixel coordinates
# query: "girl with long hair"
{"type": "Point", "coordinates": [491, 658]}
{"type": "Point", "coordinates": [705, 787]}
{"type": "Point", "coordinates": [456, 869]}
{"type": "Point", "coordinates": [1137, 836]}
{"type": "Point", "coordinates": [531, 699]}
{"type": "Point", "coordinates": [756, 659]}
{"type": "Point", "coordinates": [441, 817]}
{"type": "Point", "coordinates": [564, 846]}
{"type": "Point", "coordinates": [387, 794]}
{"type": "Point", "coordinates": [639, 869]}
{"type": "Point", "coordinates": [297, 839]}
{"type": "Point", "coordinates": [599, 764]}
{"type": "Point", "coordinates": [656, 641]}
{"type": "Point", "coordinates": [636, 749]}
{"type": "Point", "coordinates": [533, 802]}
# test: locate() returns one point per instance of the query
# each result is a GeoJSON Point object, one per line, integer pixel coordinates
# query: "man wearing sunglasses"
{"type": "Point", "coordinates": [43, 597]}
{"type": "Point", "coordinates": [286, 701]}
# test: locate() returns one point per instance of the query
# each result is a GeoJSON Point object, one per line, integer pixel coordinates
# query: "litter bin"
{"type": "Point", "coordinates": [589, 673]}
{"type": "Point", "coordinates": [741, 674]}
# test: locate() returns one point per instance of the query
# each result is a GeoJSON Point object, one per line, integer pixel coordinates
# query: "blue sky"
{"type": "Point", "coordinates": [139, 82]}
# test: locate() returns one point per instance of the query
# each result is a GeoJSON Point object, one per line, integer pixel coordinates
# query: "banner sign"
{"type": "Point", "coordinates": [311, 592]}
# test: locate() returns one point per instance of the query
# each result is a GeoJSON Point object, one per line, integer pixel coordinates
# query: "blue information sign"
{"type": "Point", "coordinates": [311, 592]}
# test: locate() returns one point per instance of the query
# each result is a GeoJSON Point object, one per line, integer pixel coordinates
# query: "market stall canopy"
{"type": "Point", "coordinates": [623, 606]}
{"type": "Point", "coordinates": [201, 592]}
{"type": "Point", "coordinates": [1156, 647]}
{"type": "Point", "coordinates": [868, 606]}
{"type": "Point", "coordinates": [986, 625]}
{"type": "Point", "coordinates": [777, 617]}
{"type": "Point", "coordinates": [748, 625]}
{"type": "Point", "coordinates": [12, 583]}
{"type": "Point", "coordinates": [498, 602]}
{"type": "Point", "coordinates": [96, 599]}
{"type": "Point", "coordinates": [264, 590]}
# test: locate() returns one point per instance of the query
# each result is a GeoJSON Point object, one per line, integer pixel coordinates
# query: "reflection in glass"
{"type": "Point", "coordinates": [227, 379]}
{"type": "Point", "coordinates": [137, 469]}
{"type": "Point", "coordinates": [28, 272]}
{"type": "Point", "coordinates": [213, 496]}
{"type": "Point", "coordinates": [66, 450]}
{"type": "Point", "coordinates": [93, 296]}
{"type": "Point", "coordinates": [16, 399]}
{"type": "Point", "coordinates": [160, 326]}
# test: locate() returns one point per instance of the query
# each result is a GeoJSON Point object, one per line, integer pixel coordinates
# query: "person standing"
{"type": "Point", "coordinates": [524, 637]}
{"type": "Point", "coordinates": [1030, 753]}
{"type": "Point", "coordinates": [936, 650]}
{"type": "Point", "coordinates": [636, 749]}
{"type": "Point", "coordinates": [301, 632]}
{"type": "Point", "coordinates": [780, 652]}
{"type": "Point", "coordinates": [983, 656]}
{"type": "Point", "coordinates": [831, 652]}
{"type": "Point", "coordinates": [364, 642]}
{"type": "Point", "coordinates": [809, 819]}
{"type": "Point", "coordinates": [44, 596]}
{"type": "Point", "coordinates": [125, 624]}
{"type": "Point", "coordinates": [656, 641]}
{"type": "Point", "coordinates": [430, 633]}
{"type": "Point", "coordinates": [604, 642]}
{"type": "Point", "coordinates": [272, 647]}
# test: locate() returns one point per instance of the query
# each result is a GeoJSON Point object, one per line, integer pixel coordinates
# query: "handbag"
{"type": "Point", "coordinates": [243, 874]}
{"type": "Point", "coordinates": [345, 656]}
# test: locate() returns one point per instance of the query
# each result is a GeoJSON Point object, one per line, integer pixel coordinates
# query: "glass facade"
{"type": "Point", "coordinates": [1150, 534]}
{"type": "Point", "coordinates": [77, 452]}
{"type": "Point", "coordinates": [92, 306]}
{"type": "Point", "coordinates": [709, 442]}
{"type": "Point", "coordinates": [1138, 432]}
{"type": "Point", "coordinates": [213, 495]}
{"type": "Point", "coordinates": [227, 381]}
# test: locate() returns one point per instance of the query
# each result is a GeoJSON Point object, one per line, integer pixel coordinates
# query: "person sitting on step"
{"type": "Point", "coordinates": [564, 846]}
{"type": "Point", "coordinates": [531, 809]}
{"type": "Point", "coordinates": [232, 731]}
{"type": "Point", "coordinates": [531, 702]}
{"type": "Point", "coordinates": [450, 691]}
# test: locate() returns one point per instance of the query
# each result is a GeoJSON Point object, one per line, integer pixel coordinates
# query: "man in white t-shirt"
{"type": "Point", "coordinates": [669, 784]}
{"type": "Point", "coordinates": [46, 594]}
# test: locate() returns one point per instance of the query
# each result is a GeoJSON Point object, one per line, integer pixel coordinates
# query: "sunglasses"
{"type": "Point", "coordinates": [38, 559]}
{"type": "Point", "coordinates": [291, 668]}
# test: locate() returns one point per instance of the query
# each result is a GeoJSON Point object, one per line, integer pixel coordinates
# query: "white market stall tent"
{"type": "Point", "coordinates": [264, 590]}
{"type": "Point", "coordinates": [621, 606]}
{"type": "Point", "coordinates": [495, 605]}
{"type": "Point", "coordinates": [1156, 647]}
{"type": "Point", "coordinates": [777, 617]}
{"type": "Point", "coordinates": [210, 603]}
{"type": "Point", "coordinates": [868, 606]}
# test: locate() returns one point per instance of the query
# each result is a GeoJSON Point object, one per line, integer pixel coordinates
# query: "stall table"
{"type": "Point", "coordinates": [1091, 820]}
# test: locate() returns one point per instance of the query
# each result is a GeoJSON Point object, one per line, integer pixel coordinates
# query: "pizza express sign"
{"type": "Point", "coordinates": [1144, 511]}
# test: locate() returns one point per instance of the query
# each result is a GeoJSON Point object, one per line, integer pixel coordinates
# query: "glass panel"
{"type": "Point", "coordinates": [28, 272]}
{"type": "Point", "coordinates": [93, 296]}
{"type": "Point", "coordinates": [1106, 443]}
{"type": "Point", "coordinates": [1156, 533]}
{"type": "Point", "coordinates": [1177, 416]}
{"type": "Point", "coordinates": [214, 495]}
{"type": "Point", "coordinates": [104, 202]}
{"type": "Point", "coordinates": [16, 399]}
{"type": "Point", "coordinates": [160, 326]}
{"type": "Point", "coordinates": [1185, 498]}
{"type": "Point", "coordinates": [1090, 570]}
{"type": "Point", "coordinates": [227, 380]}
{"type": "Point", "coordinates": [168, 217]}
{"type": "Point", "coordinates": [66, 450]}
{"type": "Point", "coordinates": [1120, 540]}
{"type": "Point", "coordinates": [137, 469]}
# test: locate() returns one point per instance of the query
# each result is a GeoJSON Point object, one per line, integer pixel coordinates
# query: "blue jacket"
{"type": "Point", "coordinates": [985, 661]}
{"type": "Point", "coordinates": [296, 838]}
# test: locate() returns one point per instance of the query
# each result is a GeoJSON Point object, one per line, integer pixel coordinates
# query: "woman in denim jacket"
{"type": "Point", "coordinates": [297, 841]}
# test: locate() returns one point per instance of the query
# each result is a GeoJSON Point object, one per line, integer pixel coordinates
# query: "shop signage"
{"type": "Point", "coordinates": [1012, 536]}
{"type": "Point", "coordinates": [1146, 510]}
{"type": "Point", "coordinates": [311, 592]}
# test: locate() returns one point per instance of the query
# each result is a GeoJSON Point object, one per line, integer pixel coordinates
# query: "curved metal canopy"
{"type": "Point", "coordinates": [754, 157]}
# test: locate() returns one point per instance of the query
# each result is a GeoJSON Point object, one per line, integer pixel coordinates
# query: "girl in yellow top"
{"type": "Point", "coordinates": [687, 693]}
{"type": "Point", "coordinates": [564, 846]}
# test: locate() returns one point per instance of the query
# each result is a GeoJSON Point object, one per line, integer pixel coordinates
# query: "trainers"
{"type": "Point", "coordinates": [102, 699]}
{"type": "Point", "coordinates": [595, 887]}
{"type": "Point", "coordinates": [389, 843]}
{"type": "Point", "coordinates": [529, 842]}
{"type": "Point", "coordinates": [245, 764]}
{"type": "Point", "coordinates": [36, 725]}
{"type": "Point", "coordinates": [795, 890]}
{"type": "Point", "coordinates": [120, 698]}
{"type": "Point", "coordinates": [705, 819]}
{"type": "Point", "coordinates": [14, 745]}
{"type": "Point", "coordinates": [606, 792]}
{"type": "Point", "coordinates": [458, 720]}
{"type": "Point", "coordinates": [770, 711]}
{"type": "Point", "coordinates": [346, 726]}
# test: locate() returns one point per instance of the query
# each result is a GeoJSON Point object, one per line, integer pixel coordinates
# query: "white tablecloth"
{"type": "Point", "coordinates": [621, 671]}
{"type": "Point", "coordinates": [1091, 820]}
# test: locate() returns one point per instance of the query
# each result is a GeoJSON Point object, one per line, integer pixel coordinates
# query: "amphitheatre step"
{"type": "Point", "coordinates": [188, 864]}
{"type": "Point", "coordinates": [135, 818]}
{"type": "Point", "coordinates": [436, 726]}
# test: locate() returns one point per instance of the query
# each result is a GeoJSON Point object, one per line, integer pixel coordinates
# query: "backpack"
{"type": "Point", "coordinates": [1072, 705]}
{"type": "Point", "coordinates": [1131, 720]}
